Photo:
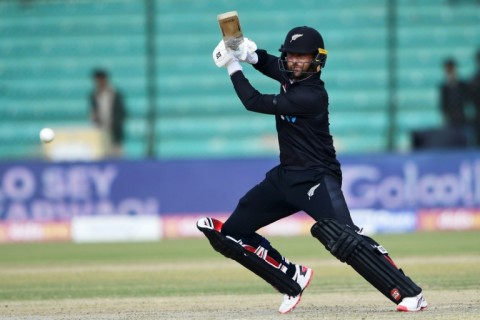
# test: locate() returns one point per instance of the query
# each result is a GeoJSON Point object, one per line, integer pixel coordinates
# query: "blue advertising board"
{"type": "Point", "coordinates": [58, 191]}
{"type": "Point", "coordinates": [413, 181]}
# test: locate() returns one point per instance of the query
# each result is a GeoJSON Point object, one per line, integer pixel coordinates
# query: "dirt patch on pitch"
{"type": "Point", "coordinates": [463, 304]}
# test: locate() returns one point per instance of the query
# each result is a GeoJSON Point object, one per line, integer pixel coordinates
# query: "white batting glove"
{"type": "Point", "coordinates": [252, 58]}
{"type": "Point", "coordinates": [220, 55]}
{"type": "Point", "coordinates": [233, 66]}
{"type": "Point", "coordinates": [246, 51]}
{"type": "Point", "coordinates": [223, 58]}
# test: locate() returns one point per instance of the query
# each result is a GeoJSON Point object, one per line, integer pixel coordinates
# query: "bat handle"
{"type": "Point", "coordinates": [233, 43]}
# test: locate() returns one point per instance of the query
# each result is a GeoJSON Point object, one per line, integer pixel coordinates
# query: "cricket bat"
{"type": "Point", "coordinates": [231, 30]}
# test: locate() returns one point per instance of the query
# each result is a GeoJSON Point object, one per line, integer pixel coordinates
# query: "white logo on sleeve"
{"type": "Point", "coordinates": [296, 36]}
{"type": "Point", "coordinates": [312, 191]}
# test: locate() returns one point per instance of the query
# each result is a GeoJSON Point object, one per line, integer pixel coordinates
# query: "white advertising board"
{"type": "Point", "coordinates": [116, 228]}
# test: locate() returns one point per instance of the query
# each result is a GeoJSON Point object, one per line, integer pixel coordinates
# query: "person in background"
{"type": "Point", "coordinates": [453, 96]}
{"type": "Point", "coordinates": [108, 112]}
{"type": "Point", "coordinates": [474, 86]}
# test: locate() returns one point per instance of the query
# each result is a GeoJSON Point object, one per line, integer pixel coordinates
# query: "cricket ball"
{"type": "Point", "coordinates": [46, 135]}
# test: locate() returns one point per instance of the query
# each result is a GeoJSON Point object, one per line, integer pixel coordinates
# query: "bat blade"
{"type": "Point", "coordinates": [232, 34]}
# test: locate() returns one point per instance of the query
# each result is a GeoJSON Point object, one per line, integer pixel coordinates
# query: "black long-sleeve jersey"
{"type": "Point", "coordinates": [301, 114]}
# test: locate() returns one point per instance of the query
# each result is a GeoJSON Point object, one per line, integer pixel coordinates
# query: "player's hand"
{"type": "Point", "coordinates": [223, 58]}
{"type": "Point", "coordinates": [246, 51]}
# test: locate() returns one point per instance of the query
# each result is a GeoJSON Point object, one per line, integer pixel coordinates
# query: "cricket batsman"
{"type": "Point", "coordinates": [308, 178]}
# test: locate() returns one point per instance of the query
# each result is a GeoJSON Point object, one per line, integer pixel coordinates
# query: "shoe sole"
{"type": "Point", "coordinates": [404, 309]}
{"type": "Point", "coordinates": [300, 298]}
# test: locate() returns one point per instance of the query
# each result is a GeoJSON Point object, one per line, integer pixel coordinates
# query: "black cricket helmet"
{"type": "Point", "coordinates": [304, 40]}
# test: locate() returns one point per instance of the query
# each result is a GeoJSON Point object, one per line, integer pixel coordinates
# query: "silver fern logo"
{"type": "Point", "coordinates": [296, 36]}
{"type": "Point", "coordinates": [312, 191]}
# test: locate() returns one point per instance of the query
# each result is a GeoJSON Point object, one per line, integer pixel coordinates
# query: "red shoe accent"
{"type": "Point", "coordinates": [402, 309]}
{"type": "Point", "coordinates": [311, 276]}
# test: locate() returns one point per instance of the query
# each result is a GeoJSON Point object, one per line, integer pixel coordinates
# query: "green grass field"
{"type": "Point", "coordinates": [188, 269]}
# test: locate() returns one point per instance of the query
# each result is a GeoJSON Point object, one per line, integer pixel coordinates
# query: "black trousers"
{"type": "Point", "coordinates": [283, 193]}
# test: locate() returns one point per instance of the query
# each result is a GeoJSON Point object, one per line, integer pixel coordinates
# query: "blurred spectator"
{"type": "Point", "coordinates": [475, 97]}
{"type": "Point", "coordinates": [108, 112]}
{"type": "Point", "coordinates": [453, 96]}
